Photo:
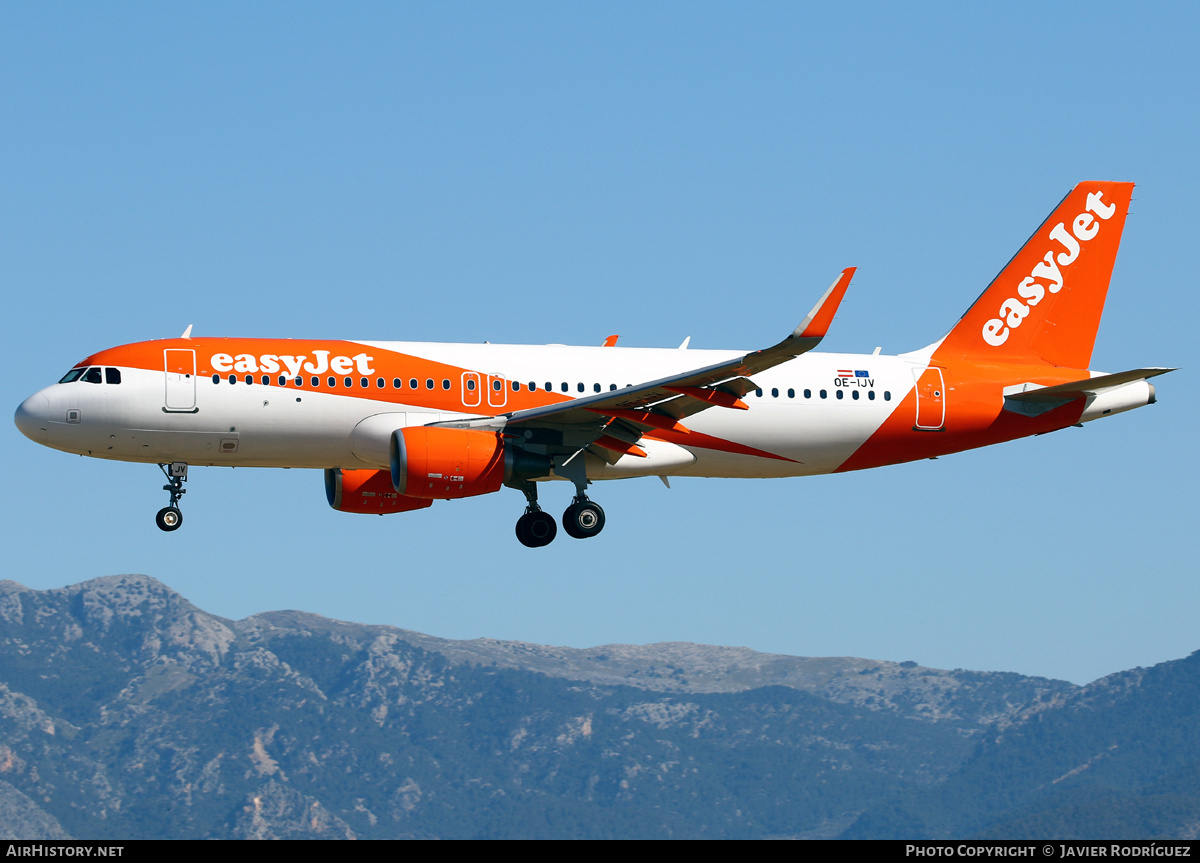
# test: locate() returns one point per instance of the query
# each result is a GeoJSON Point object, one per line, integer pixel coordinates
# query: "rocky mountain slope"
{"type": "Point", "coordinates": [127, 712]}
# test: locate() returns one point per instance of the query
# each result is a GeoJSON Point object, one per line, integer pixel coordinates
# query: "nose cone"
{"type": "Point", "coordinates": [32, 417]}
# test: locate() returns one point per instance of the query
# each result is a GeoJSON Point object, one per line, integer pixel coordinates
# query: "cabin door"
{"type": "Point", "coordinates": [931, 400]}
{"type": "Point", "coordinates": [181, 380]}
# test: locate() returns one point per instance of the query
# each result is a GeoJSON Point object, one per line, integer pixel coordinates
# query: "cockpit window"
{"type": "Point", "coordinates": [92, 375]}
{"type": "Point", "coordinates": [112, 376]}
{"type": "Point", "coordinates": [72, 376]}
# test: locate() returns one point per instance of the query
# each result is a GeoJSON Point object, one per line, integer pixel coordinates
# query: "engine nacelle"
{"type": "Point", "coordinates": [367, 491]}
{"type": "Point", "coordinates": [443, 463]}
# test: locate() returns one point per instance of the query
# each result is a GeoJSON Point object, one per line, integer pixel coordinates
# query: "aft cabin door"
{"type": "Point", "coordinates": [181, 380]}
{"type": "Point", "coordinates": [931, 400]}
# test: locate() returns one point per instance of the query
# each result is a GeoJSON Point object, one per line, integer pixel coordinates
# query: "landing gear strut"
{"type": "Point", "coordinates": [535, 528]}
{"type": "Point", "coordinates": [169, 517]}
{"type": "Point", "coordinates": [582, 520]}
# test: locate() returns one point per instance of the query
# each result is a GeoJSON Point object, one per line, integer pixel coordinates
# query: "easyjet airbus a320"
{"type": "Point", "coordinates": [398, 425]}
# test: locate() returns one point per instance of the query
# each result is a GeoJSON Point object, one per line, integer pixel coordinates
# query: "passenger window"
{"type": "Point", "coordinates": [566, 387]}
{"type": "Point", "coordinates": [808, 394]}
{"type": "Point", "coordinates": [774, 392]}
{"type": "Point", "coordinates": [470, 385]}
{"type": "Point", "coordinates": [249, 379]}
{"type": "Point", "coordinates": [72, 376]}
{"type": "Point", "coordinates": [233, 379]}
{"type": "Point", "coordinates": [429, 383]}
{"type": "Point", "coordinates": [266, 380]}
{"type": "Point", "coordinates": [579, 386]}
{"type": "Point", "coordinates": [282, 380]}
{"type": "Point", "coordinates": [596, 388]}
{"type": "Point", "coordinates": [532, 387]}
{"type": "Point", "coordinates": [347, 382]}
{"type": "Point", "coordinates": [216, 379]}
{"type": "Point", "coordinates": [854, 395]}
{"type": "Point", "coordinates": [299, 382]}
{"type": "Point", "coordinates": [412, 383]}
{"type": "Point", "coordinates": [363, 382]}
{"type": "Point", "coordinates": [824, 394]}
{"type": "Point", "coordinates": [516, 387]}
{"type": "Point", "coordinates": [791, 393]}
{"type": "Point", "coordinates": [611, 387]}
{"type": "Point", "coordinates": [380, 383]}
{"type": "Point", "coordinates": [331, 381]}
{"type": "Point", "coordinates": [446, 383]}
{"type": "Point", "coordinates": [316, 381]}
{"type": "Point", "coordinates": [841, 394]}
{"type": "Point", "coordinates": [113, 376]}
{"type": "Point", "coordinates": [549, 387]}
{"type": "Point", "coordinates": [758, 393]}
{"type": "Point", "coordinates": [497, 386]}
{"type": "Point", "coordinates": [871, 395]}
{"type": "Point", "coordinates": [397, 383]}
{"type": "Point", "coordinates": [92, 376]}
{"type": "Point", "coordinates": [887, 395]}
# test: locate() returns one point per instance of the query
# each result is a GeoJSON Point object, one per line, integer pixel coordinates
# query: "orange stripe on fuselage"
{"type": "Point", "coordinates": [975, 415]}
{"type": "Point", "coordinates": [384, 364]}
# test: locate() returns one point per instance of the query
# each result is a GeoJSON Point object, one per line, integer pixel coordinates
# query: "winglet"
{"type": "Point", "coordinates": [610, 342]}
{"type": "Point", "coordinates": [187, 334]}
{"type": "Point", "coordinates": [816, 325]}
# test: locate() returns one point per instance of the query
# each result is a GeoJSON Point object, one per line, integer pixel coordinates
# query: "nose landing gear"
{"type": "Point", "coordinates": [169, 517]}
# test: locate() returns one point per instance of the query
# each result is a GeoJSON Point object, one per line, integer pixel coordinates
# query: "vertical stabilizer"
{"type": "Point", "coordinates": [1045, 305]}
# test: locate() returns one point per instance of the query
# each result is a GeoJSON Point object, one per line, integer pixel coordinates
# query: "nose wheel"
{"type": "Point", "coordinates": [169, 517]}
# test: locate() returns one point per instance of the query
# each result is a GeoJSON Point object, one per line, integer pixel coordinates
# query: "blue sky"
{"type": "Point", "coordinates": [538, 173]}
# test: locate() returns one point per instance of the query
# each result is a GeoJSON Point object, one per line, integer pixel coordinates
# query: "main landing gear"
{"type": "Point", "coordinates": [169, 517]}
{"type": "Point", "coordinates": [582, 520]}
{"type": "Point", "coordinates": [536, 528]}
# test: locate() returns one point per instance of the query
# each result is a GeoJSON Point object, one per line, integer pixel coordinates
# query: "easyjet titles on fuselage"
{"type": "Point", "coordinates": [274, 363]}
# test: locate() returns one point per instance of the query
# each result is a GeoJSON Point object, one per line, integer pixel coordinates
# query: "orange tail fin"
{"type": "Point", "coordinates": [1045, 305]}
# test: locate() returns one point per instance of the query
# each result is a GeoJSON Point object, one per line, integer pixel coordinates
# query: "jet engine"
{"type": "Point", "coordinates": [444, 463]}
{"type": "Point", "coordinates": [367, 491]}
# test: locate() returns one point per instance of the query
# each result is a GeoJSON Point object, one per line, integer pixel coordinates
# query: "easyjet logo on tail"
{"type": "Point", "coordinates": [1031, 290]}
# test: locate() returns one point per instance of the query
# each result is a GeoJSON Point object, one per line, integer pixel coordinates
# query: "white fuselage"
{"type": "Point", "coordinates": [256, 425]}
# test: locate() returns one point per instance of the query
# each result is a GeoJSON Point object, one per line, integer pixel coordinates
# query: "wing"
{"type": "Point", "coordinates": [617, 419]}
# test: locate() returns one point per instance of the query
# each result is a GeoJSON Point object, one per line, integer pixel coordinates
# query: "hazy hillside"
{"type": "Point", "coordinates": [127, 712]}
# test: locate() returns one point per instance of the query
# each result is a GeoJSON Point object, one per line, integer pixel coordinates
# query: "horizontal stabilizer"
{"type": "Point", "coordinates": [1079, 389]}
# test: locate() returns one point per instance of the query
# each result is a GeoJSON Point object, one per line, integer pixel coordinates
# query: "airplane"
{"type": "Point", "coordinates": [398, 425]}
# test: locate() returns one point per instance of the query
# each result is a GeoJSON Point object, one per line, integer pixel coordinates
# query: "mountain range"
{"type": "Point", "coordinates": [127, 712]}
